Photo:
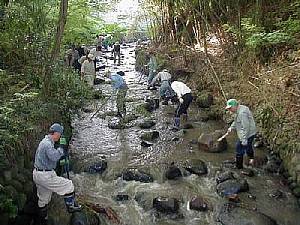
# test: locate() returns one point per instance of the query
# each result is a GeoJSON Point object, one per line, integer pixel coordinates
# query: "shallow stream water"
{"type": "Point", "coordinates": [122, 148]}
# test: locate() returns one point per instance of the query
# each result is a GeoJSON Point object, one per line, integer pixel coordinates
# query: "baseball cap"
{"type": "Point", "coordinates": [56, 127]}
{"type": "Point", "coordinates": [231, 103]}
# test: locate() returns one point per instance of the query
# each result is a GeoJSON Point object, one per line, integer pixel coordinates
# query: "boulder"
{"type": "Point", "coordinates": [166, 205]}
{"type": "Point", "coordinates": [173, 172]}
{"type": "Point", "coordinates": [229, 214]}
{"type": "Point", "coordinates": [196, 166]}
{"type": "Point", "coordinates": [230, 187]}
{"type": "Point", "coordinates": [98, 167]}
{"type": "Point", "coordinates": [208, 142]}
{"type": "Point", "coordinates": [146, 124]}
{"type": "Point", "coordinates": [136, 175]}
{"type": "Point", "coordinates": [198, 204]}
{"type": "Point", "coordinates": [146, 144]}
{"type": "Point", "coordinates": [150, 136]}
{"type": "Point", "coordinates": [221, 177]}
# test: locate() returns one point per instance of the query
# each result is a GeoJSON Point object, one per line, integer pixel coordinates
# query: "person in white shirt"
{"type": "Point", "coordinates": [185, 98]}
{"type": "Point", "coordinates": [88, 71]}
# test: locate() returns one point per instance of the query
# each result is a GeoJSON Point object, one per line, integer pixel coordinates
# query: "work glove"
{"type": "Point", "coordinates": [63, 144]}
{"type": "Point", "coordinates": [181, 100]}
{"type": "Point", "coordinates": [229, 129]}
{"type": "Point", "coordinates": [244, 143]}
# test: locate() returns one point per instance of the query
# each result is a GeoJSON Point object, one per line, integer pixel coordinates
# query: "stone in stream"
{"type": "Point", "coordinates": [99, 80]}
{"type": "Point", "coordinates": [150, 136]}
{"type": "Point", "coordinates": [166, 205]}
{"type": "Point", "coordinates": [196, 166]}
{"type": "Point", "coordinates": [121, 197]}
{"type": "Point", "coordinates": [277, 194]}
{"type": "Point", "coordinates": [221, 177]}
{"type": "Point", "coordinates": [230, 214]}
{"type": "Point", "coordinates": [173, 172]}
{"type": "Point", "coordinates": [146, 144]}
{"type": "Point", "coordinates": [231, 187]}
{"type": "Point", "coordinates": [116, 123]}
{"type": "Point", "coordinates": [98, 167]}
{"type": "Point", "coordinates": [198, 204]}
{"type": "Point", "coordinates": [151, 104]}
{"type": "Point", "coordinates": [208, 142]}
{"type": "Point", "coordinates": [146, 124]}
{"type": "Point", "coordinates": [86, 217]}
{"type": "Point", "coordinates": [136, 175]}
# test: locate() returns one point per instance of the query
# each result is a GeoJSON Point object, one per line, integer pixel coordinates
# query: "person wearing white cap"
{"type": "Point", "coordinates": [88, 71]}
{"type": "Point", "coordinates": [45, 177]}
{"type": "Point", "coordinates": [246, 130]}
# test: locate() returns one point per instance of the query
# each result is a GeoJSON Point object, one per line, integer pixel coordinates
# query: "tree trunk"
{"type": "Point", "coordinates": [57, 42]}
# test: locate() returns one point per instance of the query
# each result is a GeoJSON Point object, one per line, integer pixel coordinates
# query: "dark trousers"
{"type": "Point", "coordinates": [182, 107]}
{"type": "Point", "coordinates": [241, 150]}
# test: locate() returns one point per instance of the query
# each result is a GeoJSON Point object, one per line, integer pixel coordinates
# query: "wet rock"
{"type": "Point", "coordinates": [78, 218]}
{"type": "Point", "coordinates": [116, 123]}
{"type": "Point", "coordinates": [99, 80]}
{"type": "Point", "coordinates": [166, 205]}
{"type": "Point", "coordinates": [121, 197]}
{"type": "Point", "coordinates": [136, 175]}
{"type": "Point", "coordinates": [98, 167]}
{"type": "Point", "coordinates": [277, 194]}
{"type": "Point", "coordinates": [229, 214]}
{"type": "Point", "coordinates": [146, 124]}
{"type": "Point", "coordinates": [188, 126]}
{"type": "Point", "coordinates": [151, 104]}
{"type": "Point", "coordinates": [173, 172]}
{"type": "Point", "coordinates": [196, 166]}
{"type": "Point", "coordinates": [296, 191]}
{"type": "Point", "coordinates": [146, 144]}
{"type": "Point", "coordinates": [209, 143]}
{"type": "Point", "coordinates": [199, 204]}
{"type": "Point", "coordinates": [230, 187]}
{"type": "Point", "coordinates": [247, 172]}
{"type": "Point", "coordinates": [150, 136]}
{"type": "Point", "coordinates": [221, 177]}
{"type": "Point", "coordinates": [204, 99]}
{"type": "Point", "coordinates": [175, 139]}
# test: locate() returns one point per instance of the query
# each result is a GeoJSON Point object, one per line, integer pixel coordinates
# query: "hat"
{"type": "Point", "coordinates": [56, 127]}
{"type": "Point", "coordinates": [231, 103]}
{"type": "Point", "coordinates": [91, 56]}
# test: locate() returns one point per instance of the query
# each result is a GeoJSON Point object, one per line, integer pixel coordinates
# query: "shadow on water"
{"type": "Point", "coordinates": [93, 139]}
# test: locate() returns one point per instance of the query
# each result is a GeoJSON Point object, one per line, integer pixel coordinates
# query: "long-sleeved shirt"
{"type": "Point", "coordinates": [162, 76]}
{"type": "Point", "coordinates": [88, 68]}
{"type": "Point", "coordinates": [180, 88]}
{"type": "Point", "coordinates": [118, 82]}
{"type": "Point", "coordinates": [244, 123]}
{"type": "Point", "coordinates": [46, 155]}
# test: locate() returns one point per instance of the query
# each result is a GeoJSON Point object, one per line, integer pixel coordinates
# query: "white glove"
{"type": "Point", "coordinates": [229, 129]}
{"type": "Point", "coordinates": [181, 100]}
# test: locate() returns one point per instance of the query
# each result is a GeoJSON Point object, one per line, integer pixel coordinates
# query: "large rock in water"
{"type": "Point", "coordinates": [221, 177]}
{"type": "Point", "coordinates": [136, 175]}
{"type": "Point", "coordinates": [146, 124]}
{"type": "Point", "coordinates": [196, 166]}
{"type": "Point", "coordinates": [229, 214]}
{"type": "Point", "coordinates": [98, 167]}
{"type": "Point", "coordinates": [173, 172]}
{"type": "Point", "coordinates": [116, 123]}
{"type": "Point", "coordinates": [166, 205]}
{"type": "Point", "coordinates": [198, 203]}
{"type": "Point", "coordinates": [209, 143]}
{"type": "Point", "coordinates": [150, 136]}
{"type": "Point", "coordinates": [230, 187]}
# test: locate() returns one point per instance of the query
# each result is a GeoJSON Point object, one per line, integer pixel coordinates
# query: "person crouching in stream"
{"type": "Point", "coordinates": [185, 98]}
{"type": "Point", "coordinates": [88, 71]}
{"type": "Point", "coordinates": [45, 177]}
{"type": "Point", "coordinates": [120, 88]}
{"type": "Point", "coordinates": [246, 130]}
{"type": "Point", "coordinates": [165, 90]}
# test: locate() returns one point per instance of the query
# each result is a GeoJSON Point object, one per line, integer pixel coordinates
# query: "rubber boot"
{"type": "Point", "coordinates": [42, 216]}
{"type": "Point", "coordinates": [239, 162]}
{"type": "Point", "coordinates": [176, 124]}
{"type": "Point", "coordinates": [71, 204]}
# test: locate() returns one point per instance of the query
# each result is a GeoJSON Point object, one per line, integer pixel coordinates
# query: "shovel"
{"type": "Point", "coordinates": [224, 136]}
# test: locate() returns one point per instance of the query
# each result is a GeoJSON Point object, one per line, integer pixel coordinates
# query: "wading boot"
{"type": "Point", "coordinates": [42, 216]}
{"type": "Point", "coordinates": [176, 124]}
{"type": "Point", "coordinates": [71, 204]}
{"type": "Point", "coordinates": [239, 162]}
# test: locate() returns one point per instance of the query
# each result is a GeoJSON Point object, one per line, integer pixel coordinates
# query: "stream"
{"type": "Point", "coordinates": [93, 140]}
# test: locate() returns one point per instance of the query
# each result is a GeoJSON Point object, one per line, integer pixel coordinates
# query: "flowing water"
{"type": "Point", "coordinates": [122, 148]}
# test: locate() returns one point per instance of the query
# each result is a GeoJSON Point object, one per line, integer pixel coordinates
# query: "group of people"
{"type": "Point", "coordinates": [47, 155]}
